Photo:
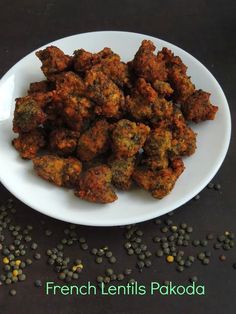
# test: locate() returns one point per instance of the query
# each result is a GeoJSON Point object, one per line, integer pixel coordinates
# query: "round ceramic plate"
{"type": "Point", "coordinates": [131, 207]}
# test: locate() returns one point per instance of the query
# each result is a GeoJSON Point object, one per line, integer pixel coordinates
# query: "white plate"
{"type": "Point", "coordinates": [134, 206]}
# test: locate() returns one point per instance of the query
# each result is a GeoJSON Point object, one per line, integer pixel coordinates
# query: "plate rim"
{"type": "Point", "coordinates": [144, 216]}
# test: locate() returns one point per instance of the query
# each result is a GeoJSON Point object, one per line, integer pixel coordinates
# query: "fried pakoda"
{"type": "Point", "coordinates": [57, 170]}
{"type": "Point", "coordinates": [39, 87]}
{"type": "Point", "coordinates": [125, 121]}
{"type": "Point", "coordinates": [84, 60]}
{"type": "Point", "coordinates": [95, 185]}
{"type": "Point", "coordinates": [158, 142]}
{"type": "Point", "coordinates": [71, 172]}
{"type": "Point", "coordinates": [77, 111]}
{"type": "Point", "coordinates": [50, 168]}
{"type": "Point", "coordinates": [155, 162]}
{"type": "Point", "coordinates": [94, 141]}
{"type": "Point", "coordinates": [108, 97]}
{"type": "Point", "coordinates": [122, 170]}
{"type": "Point", "coordinates": [128, 138]}
{"type": "Point", "coordinates": [28, 144]}
{"type": "Point", "coordinates": [63, 141]}
{"type": "Point", "coordinates": [159, 183]}
{"type": "Point", "coordinates": [28, 115]}
{"type": "Point", "coordinates": [106, 61]}
{"type": "Point", "coordinates": [177, 76]}
{"type": "Point", "coordinates": [197, 107]}
{"type": "Point", "coordinates": [163, 88]}
{"type": "Point", "coordinates": [53, 61]}
{"type": "Point", "coordinates": [147, 65]}
{"type": "Point", "coordinates": [68, 83]}
{"type": "Point", "coordinates": [183, 137]}
{"type": "Point", "coordinates": [144, 103]}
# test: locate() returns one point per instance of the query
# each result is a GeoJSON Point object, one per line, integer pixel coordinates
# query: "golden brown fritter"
{"type": "Point", "coordinates": [50, 168]}
{"type": "Point", "coordinates": [95, 185]}
{"type": "Point", "coordinates": [94, 141]}
{"type": "Point", "coordinates": [159, 183]}
{"type": "Point", "coordinates": [155, 162]}
{"type": "Point", "coordinates": [71, 172]}
{"type": "Point", "coordinates": [183, 137]}
{"type": "Point", "coordinates": [28, 115]}
{"type": "Point", "coordinates": [128, 138]}
{"type": "Point", "coordinates": [53, 60]}
{"type": "Point", "coordinates": [28, 144]}
{"type": "Point", "coordinates": [197, 107]}
{"type": "Point", "coordinates": [158, 142]}
{"type": "Point", "coordinates": [144, 103]}
{"type": "Point", "coordinates": [63, 141]}
{"type": "Point", "coordinates": [116, 70]}
{"type": "Point", "coordinates": [39, 87]}
{"type": "Point", "coordinates": [57, 170]}
{"type": "Point", "coordinates": [177, 76]}
{"type": "Point", "coordinates": [77, 111]}
{"type": "Point", "coordinates": [157, 148]}
{"type": "Point", "coordinates": [108, 97]}
{"type": "Point", "coordinates": [122, 170]}
{"type": "Point", "coordinates": [147, 65]}
{"type": "Point", "coordinates": [69, 83]}
{"type": "Point", "coordinates": [84, 60]}
{"type": "Point", "coordinates": [163, 88]}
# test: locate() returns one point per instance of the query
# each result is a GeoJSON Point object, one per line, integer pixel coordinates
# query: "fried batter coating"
{"type": "Point", "coordinates": [50, 168]}
{"type": "Point", "coordinates": [28, 115]}
{"type": "Point", "coordinates": [197, 107]}
{"type": "Point", "coordinates": [53, 60]}
{"type": "Point", "coordinates": [108, 97]}
{"type": "Point", "coordinates": [155, 162]}
{"type": "Point", "coordinates": [94, 141]}
{"type": "Point", "coordinates": [177, 75]}
{"type": "Point", "coordinates": [57, 170]}
{"type": "Point", "coordinates": [71, 172]}
{"type": "Point", "coordinates": [69, 83]}
{"type": "Point", "coordinates": [147, 65]}
{"type": "Point", "coordinates": [156, 148]}
{"type": "Point", "coordinates": [183, 137]}
{"type": "Point", "coordinates": [28, 144]}
{"type": "Point", "coordinates": [77, 111]}
{"type": "Point", "coordinates": [84, 60]}
{"type": "Point", "coordinates": [122, 170]}
{"type": "Point", "coordinates": [159, 183]}
{"type": "Point", "coordinates": [128, 137]}
{"type": "Point", "coordinates": [39, 87]}
{"type": "Point", "coordinates": [158, 142]}
{"type": "Point", "coordinates": [95, 185]}
{"type": "Point", "coordinates": [63, 141]}
{"type": "Point", "coordinates": [163, 88]}
{"type": "Point", "coordinates": [144, 103]}
{"type": "Point", "coordinates": [116, 70]}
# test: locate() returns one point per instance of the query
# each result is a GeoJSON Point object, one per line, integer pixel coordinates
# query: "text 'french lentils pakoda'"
{"type": "Point", "coordinates": [96, 124]}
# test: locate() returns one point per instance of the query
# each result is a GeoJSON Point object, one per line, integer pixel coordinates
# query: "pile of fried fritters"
{"type": "Point", "coordinates": [96, 123]}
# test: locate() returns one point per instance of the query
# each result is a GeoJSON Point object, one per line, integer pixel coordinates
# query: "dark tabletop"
{"type": "Point", "coordinates": [206, 29]}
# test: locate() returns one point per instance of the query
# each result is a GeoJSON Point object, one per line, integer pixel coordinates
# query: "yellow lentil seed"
{"type": "Point", "coordinates": [5, 260]}
{"type": "Point", "coordinates": [74, 268]}
{"type": "Point", "coordinates": [18, 262]}
{"type": "Point", "coordinates": [15, 273]}
{"type": "Point", "coordinates": [226, 233]}
{"type": "Point", "coordinates": [170, 259]}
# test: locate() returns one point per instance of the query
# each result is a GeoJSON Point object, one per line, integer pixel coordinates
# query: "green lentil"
{"type": "Point", "coordinates": [99, 260]}
{"type": "Point", "coordinates": [120, 277]}
{"type": "Point", "coordinates": [112, 260]}
{"type": "Point", "coordinates": [12, 292]}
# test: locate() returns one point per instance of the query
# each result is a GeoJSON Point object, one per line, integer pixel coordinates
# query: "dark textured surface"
{"type": "Point", "coordinates": [206, 29]}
